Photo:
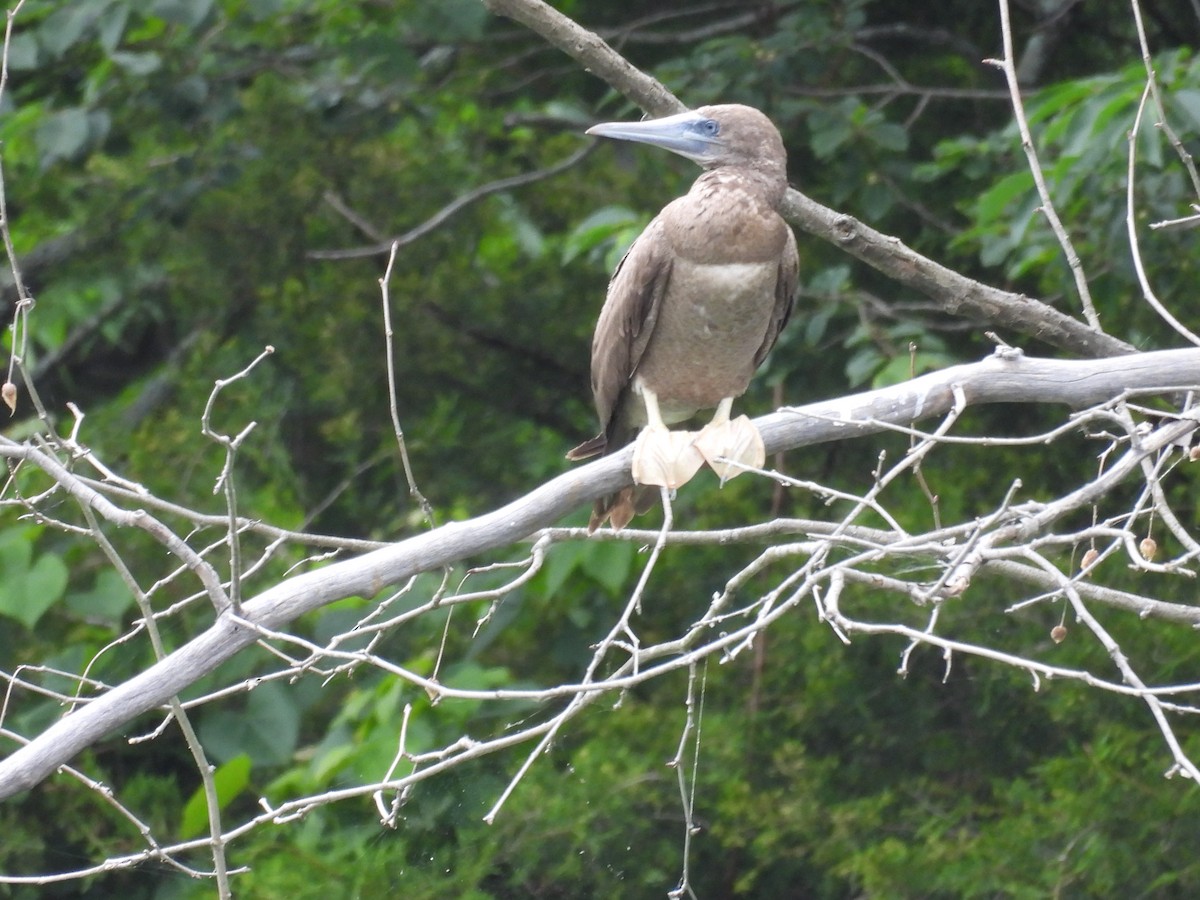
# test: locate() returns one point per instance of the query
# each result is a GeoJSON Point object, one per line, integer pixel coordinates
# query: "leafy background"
{"type": "Point", "coordinates": [169, 167]}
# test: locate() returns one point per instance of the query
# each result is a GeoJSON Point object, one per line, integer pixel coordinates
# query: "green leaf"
{"type": "Point", "coordinates": [188, 13]}
{"type": "Point", "coordinates": [561, 562]}
{"type": "Point", "coordinates": [1188, 101]}
{"type": "Point", "coordinates": [16, 552]}
{"type": "Point", "coordinates": [111, 27]}
{"type": "Point", "coordinates": [24, 52]}
{"type": "Point", "coordinates": [27, 587]}
{"type": "Point", "coordinates": [524, 230]}
{"type": "Point", "coordinates": [876, 198]}
{"type": "Point", "coordinates": [890, 136]}
{"type": "Point", "coordinates": [830, 281]}
{"type": "Point", "coordinates": [44, 585]}
{"type": "Point", "coordinates": [106, 601]}
{"type": "Point", "coordinates": [993, 202]}
{"type": "Point", "coordinates": [63, 135]}
{"type": "Point", "coordinates": [331, 761]}
{"type": "Point", "coordinates": [600, 226]}
{"type": "Point", "coordinates": [449, 20]}
{"type": "Point", "coordinates": [862, 365]}
{"type": "Point", "coordinates": [66, 26]}
{"type": "Point", "coordinates": [137, 63]}
{"type": "Point", "coordinates": [267, 729]}
{"type": "Point", "coordinates": [609, 563]}
{"type": "Point", "coordinates": [229, 780]}
{"type": "Point", "coordinates": [825, 142]}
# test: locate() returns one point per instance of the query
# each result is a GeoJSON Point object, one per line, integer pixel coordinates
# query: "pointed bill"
{"type": "Point", "coordinates": [689, 134]}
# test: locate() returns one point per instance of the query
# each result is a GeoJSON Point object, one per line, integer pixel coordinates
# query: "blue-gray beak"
{"type": "Point", "coordinates": [689, 134]}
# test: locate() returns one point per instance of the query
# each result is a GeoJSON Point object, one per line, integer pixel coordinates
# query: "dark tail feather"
{"type": "Point", "coordinates": [621, 507]}
{"type": "Point", "coordinates": [589, 448]}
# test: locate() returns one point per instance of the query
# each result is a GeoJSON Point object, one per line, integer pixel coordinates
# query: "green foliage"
{"type": "Point", "coordinates": [1081, 131]}
{"type": "Point", "coordinates": [610, 229]}
{"type": "Point", "coordinates": [30, 586]}
{"type": "Point", "coordinates": [229, 780]}
{"type": "Point", "coordinates": [106, 601]}
{"type": "Point", "coordinates": [172, 171]}
{"type": "Point", "coordinates": [266, 730]}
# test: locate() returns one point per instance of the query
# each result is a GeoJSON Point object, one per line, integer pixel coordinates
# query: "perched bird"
{"type": "Point", "coordinates": [694, 307]}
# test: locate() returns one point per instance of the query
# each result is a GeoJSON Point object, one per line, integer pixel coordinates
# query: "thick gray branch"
{"type": "Point", "coordinates": [954, 293]}
{"type": "Point", "coordinates": [1008, 377]}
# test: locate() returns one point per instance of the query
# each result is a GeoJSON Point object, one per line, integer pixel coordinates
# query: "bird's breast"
{"type": "Point", "coordinates": [713, 320]}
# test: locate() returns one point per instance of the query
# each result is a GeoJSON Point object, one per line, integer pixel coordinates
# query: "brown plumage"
{"type": "Point", "coordinates": [699, 299]}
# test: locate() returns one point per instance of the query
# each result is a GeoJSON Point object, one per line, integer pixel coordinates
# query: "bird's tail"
{"type": "Point", "coordinates": [621, 507]}
{"type": "Point", "coordinates": [591, 447]}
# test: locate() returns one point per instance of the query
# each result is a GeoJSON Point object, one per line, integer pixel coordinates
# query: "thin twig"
{"type": "Point", "coordinates": [1008, 67]}
{"type": "Point", "coordinates": [457, 205]}
{"type": "Point", "coordinates": [393, 406]}
{"type": "Point", "coordinates": [1131, 228]}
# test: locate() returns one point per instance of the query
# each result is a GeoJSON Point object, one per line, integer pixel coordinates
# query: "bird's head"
{"type": "Point", "coordinates": [711, 136]}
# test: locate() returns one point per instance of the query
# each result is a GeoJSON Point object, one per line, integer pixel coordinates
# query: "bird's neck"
{"type": "Point", "coordinates": [729, 216]}
{"type": "Point", "coordinates": [765, 184]}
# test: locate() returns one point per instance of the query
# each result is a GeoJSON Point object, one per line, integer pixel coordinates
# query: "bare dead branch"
{"type": "Point", "coordinates": [390, 365]}
{"type": "Point", "coordinates": [1007, 377]}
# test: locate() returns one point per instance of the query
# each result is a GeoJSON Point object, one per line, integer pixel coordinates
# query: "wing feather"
{"type": "Point", "coordinates": [627, 321]}
{"type": "Point", "coordinates": [785, 296]}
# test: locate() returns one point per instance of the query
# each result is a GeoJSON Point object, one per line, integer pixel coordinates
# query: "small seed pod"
{"type": "Point", "coordinates": [9, 393]}
{"type": "Point", "coordinates": [1090, 557]}
{"type": "Point", "coordinates": [1148, 548]}
{"type": "Point", "coordinates": [1058, 633]}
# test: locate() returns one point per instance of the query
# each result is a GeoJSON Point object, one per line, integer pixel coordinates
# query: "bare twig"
{"type": "Point", "coordinates": [1131, 228]}
{"type": "Point", "coordinates": [389, 349]}
{"type": "Point", "coordinates": [225, 481]}
{"type": "Point", "coordinates": [687, 792]}
{"type": "Point", "coordinates": [1152, 84]}
{"type": "Point", "coordinates": [457, 205]}
{"type": "Point", "coordinates": [1008, 66]}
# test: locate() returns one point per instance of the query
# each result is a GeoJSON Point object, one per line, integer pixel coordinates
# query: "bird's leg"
{"type": "Point", "coordinates": [738, 441]}
{"type": "Point", "coordinates": [663, 457]}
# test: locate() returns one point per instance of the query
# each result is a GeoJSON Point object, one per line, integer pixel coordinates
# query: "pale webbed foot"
{"type": "Point", "coordinates": [737, 440]}
{"type": "Point", "coordinates": [665, 458]}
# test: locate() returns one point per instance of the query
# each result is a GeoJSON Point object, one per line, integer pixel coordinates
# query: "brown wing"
{"type": "Point", "coordinates": [627, 320]}
{"type": "Point", "coordinates": [785, 296]}
{"type": "Point", "coordinates": [623, 330]}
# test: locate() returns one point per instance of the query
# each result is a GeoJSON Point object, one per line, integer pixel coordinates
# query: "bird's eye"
{"type": "Point", "coordinates": [710, 127]}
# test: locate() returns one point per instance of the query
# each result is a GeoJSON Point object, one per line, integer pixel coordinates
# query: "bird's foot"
{"type": "Point", "coordinates": [665, 458]}
{"type": "Point", "coordinates": [736, 440]}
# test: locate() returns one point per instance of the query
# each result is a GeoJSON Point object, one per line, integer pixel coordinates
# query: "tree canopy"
{"type": "Point", "coordinates": [294, 285]}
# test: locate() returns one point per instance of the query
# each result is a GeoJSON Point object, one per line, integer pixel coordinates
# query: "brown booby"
{"type": "Point", "coordinates": [695, 305]}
